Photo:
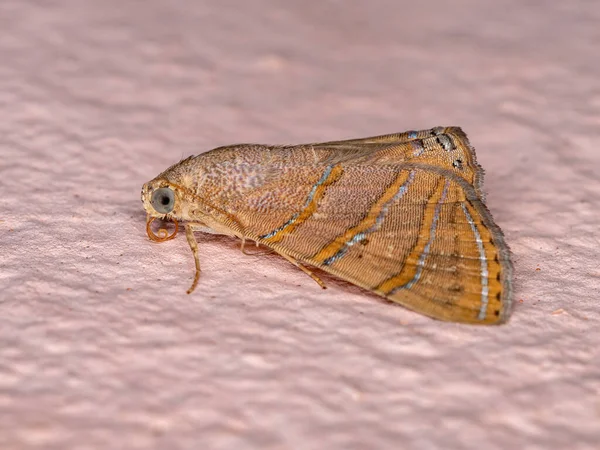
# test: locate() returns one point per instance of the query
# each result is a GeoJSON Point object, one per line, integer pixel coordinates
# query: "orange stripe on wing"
{"type": "Point", "coordinates": [470, 213]}
{"type": "Point", "coordinates": [415, 261]}
{"type": "Point", "coordinates": [336, 249]}
{"type": "Point", "coordinates": [330, 176]}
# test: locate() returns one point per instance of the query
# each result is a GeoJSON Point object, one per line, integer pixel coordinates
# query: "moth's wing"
{"type": "Point", "coordinates": [417, 235]}
{"type": "Point", "coordinates": [443, 147]}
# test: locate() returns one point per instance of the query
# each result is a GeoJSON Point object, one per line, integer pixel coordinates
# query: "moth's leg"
{"type": "Point", "coordinates": [243, 245]}
{"type": "Point", "coordinates": [305, 270]}
{"type": "Point", "coordinates": [243, 249]}
{"type": "Point", "coordinates": [189, 233]}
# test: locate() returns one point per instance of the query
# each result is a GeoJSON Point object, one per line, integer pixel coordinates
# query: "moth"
{"type": "Point", "coordinates": [401, 215]}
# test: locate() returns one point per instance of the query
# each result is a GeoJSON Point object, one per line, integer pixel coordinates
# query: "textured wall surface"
{"type": "Point", "coordinates": [100, 347]}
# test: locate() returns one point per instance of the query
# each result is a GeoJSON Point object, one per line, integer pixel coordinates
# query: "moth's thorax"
{"type": "Point", "coordinates": [227, 176]}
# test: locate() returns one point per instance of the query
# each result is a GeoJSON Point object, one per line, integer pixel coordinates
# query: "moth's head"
{"type": "Point", "coordinates": [163, 199]}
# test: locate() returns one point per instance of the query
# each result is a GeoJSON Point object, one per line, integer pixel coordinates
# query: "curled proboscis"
{"type": "Point", "coordinates": [163, 234]}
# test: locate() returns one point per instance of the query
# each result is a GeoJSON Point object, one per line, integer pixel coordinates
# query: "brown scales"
{"type": "Point", "coordinates": [401, 215]}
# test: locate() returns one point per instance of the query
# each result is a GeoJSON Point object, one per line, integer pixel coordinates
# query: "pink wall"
{"type": "Point", "coordinates": [100, 347]}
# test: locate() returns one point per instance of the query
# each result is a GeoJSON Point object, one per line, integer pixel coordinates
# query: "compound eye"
{"type": "Point", "coordinates": [163, 200]}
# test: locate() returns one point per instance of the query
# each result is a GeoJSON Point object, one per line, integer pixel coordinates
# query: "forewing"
{"type": "Point", "coordinates": [415, 234]}
{"type": "Point", "coordinates": [442, 147]}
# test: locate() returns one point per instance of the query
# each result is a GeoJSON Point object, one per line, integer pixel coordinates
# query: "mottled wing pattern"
{"type": "Point", "coordinates": [415, 234]}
